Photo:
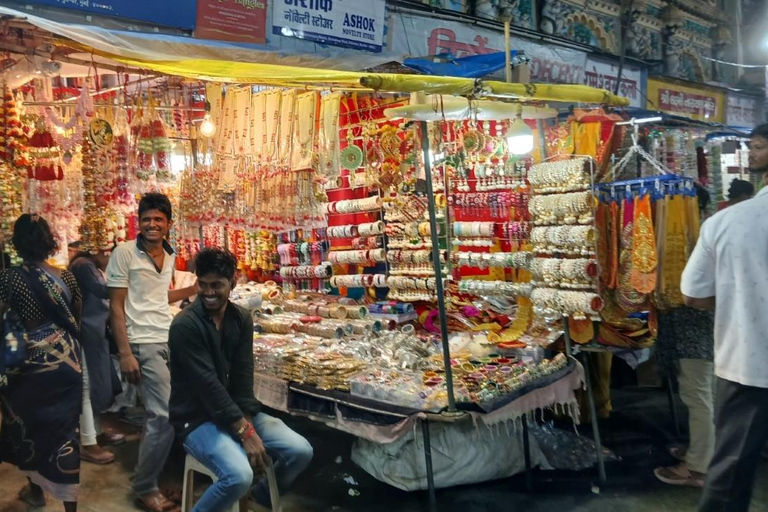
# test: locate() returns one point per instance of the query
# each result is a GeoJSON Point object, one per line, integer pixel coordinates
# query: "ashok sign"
{"type": "Point", "coordinates": [168, 13]}
{"type": "Point", "coordinates": [349, 23]}
{"type": "Point", "coordinates": [700, 104]}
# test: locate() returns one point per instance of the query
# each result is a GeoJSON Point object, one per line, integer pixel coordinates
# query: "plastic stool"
{"type": "Point", "coordinates": [192, 466]}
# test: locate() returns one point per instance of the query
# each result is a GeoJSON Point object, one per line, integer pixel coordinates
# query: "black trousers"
{"type": "Point", "coordinates": [741, 431]}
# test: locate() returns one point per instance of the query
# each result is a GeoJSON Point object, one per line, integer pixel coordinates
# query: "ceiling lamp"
{"type": "Point", "coordinates": [207, 127]}
{"type": "Point", "coordinates": [519, 136]}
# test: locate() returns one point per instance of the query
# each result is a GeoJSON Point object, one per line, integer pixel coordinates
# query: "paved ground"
{"type": "Point", "coordinates": [638, 432]}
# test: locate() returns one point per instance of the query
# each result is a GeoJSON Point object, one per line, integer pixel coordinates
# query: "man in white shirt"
{"type": "Point", "coordinates": [138, 278]}
{"type": "Point", "coordinates": [729, 266]}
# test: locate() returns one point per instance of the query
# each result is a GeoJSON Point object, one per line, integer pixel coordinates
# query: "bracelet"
{"type": "Point", "coordinates": [249, 433]}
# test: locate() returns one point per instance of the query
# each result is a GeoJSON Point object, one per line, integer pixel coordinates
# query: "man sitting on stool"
{"type": "Point", "coordinates": [212, 402]}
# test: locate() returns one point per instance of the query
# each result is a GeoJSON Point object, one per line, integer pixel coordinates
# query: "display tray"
{"type": "Point", "coordinates": [305, 399]}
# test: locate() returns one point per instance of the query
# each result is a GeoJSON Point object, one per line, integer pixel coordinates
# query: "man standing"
{"type": "Point", "coordinates": [138, 277]}
{"type": "Point", "coordinates": [212, 401]}
{"type": "Point", "coordinates": [729, 266]}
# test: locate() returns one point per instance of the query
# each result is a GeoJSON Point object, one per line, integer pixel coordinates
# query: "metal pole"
{"type": "Point", "coordinates": [437, 267]}
{"type": "Point", "coordinates": [593, 414]}
{"type": "Point", "coordinates": [507, 49]}
{"type": "Point", "coordinates": [428, 460]}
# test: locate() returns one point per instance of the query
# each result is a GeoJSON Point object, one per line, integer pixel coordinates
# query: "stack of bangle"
{"type": "Point", "coordinates": [358, 257]}
{"type": "Point", "coordinates": [359, 281]}
{"type": "Point", "coordinates": [246, 432]}
{"type": "Point", "coordinates": [482, 260]}
{"type": "Point", "coordinates": [371, 229]}
{"type": "Point", "coordinates": [423, 256]}
{"type": "Point", "coordinates": [355, 205]}
{"type": "Point", "coordinates": [472, 229]}
{"type": "Point", "coordinates": [323, 271]}
{"type": "Point", "coordinates": [348, 231]}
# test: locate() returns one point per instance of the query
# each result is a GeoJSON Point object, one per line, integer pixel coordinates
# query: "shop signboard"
{"type": "Point", "coordinates": [603, 74]}
{"type": "Point", "coordinates": [168, 13]}
{"type": "Point", "coordinates": [421, 36]}
{"type": "Point", "coordinates": [696, 103]}
{"type": "Point", "coordinates": [355, 24]}
{"type": "Point", "coordinates": [241, 21]}
{"type": "Point", "coordinates": [743, 111]}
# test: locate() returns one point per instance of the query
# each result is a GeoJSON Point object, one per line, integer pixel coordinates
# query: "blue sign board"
{"type": "Point", "coordinates": [355, 24]}
{"type": "Point", "coordinates": [169, 13]}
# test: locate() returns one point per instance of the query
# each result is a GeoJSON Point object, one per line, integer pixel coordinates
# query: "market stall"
{"type": "Point", "coordinates": [411, 247]}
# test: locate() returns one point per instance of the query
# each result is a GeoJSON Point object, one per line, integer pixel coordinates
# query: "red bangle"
{"type": "Point", "coordinates": [249, 433]}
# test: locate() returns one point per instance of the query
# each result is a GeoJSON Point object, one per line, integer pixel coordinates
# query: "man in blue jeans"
{"type": "Point", "coordinates": [212, 403]}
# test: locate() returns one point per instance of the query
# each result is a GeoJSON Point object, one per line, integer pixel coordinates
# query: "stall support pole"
{"type": "Point", "coordinates": [527, 455]}
{"type": "Point", "coordinates": [437, 266]}
{"type": "Point", "coordinates": [591, 398]}
{"type": "Point", "coordinates": [428, 460]}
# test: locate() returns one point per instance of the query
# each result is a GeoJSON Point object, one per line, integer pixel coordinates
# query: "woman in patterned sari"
{"type": "Point", "coordinates": [42, 399]}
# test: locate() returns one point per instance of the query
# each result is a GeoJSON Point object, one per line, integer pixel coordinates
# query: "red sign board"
{"type": "Point", "coordinates": [241, 21]}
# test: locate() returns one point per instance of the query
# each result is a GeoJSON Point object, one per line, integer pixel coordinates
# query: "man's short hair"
{"type": "Point", "coordinates": [215, 261]}
{"type": "Point", "coordinates": [156, 201]}
{"type": "Point", "coordinates": [760, 131]}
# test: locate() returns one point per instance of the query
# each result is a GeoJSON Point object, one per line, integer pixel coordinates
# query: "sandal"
{"type": "Point", "coordinates": [30, 498]}
{"type": "Point", "coordinates": [679, 475]}
{"type": "Point", "coordinates": [678, 453]}
{"type": "Point", "coordinates": [156, 502]}
{"type": "Point", "coordinates": [99, 456]}
{"type": "Point", "coordinates": [172, 494]}
{"type": "Point", "coordinates": [110, 439]}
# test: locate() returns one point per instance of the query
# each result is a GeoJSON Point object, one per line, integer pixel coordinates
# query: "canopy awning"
{"type": "Point", "coordinates": [251, 64]}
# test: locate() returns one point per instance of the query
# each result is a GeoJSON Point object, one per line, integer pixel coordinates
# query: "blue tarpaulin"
{"type": "Point", "coordinates": [475, 66]}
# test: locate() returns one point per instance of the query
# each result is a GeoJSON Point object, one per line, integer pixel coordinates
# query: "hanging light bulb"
{"type": "Point", "coordinates": [207, 128]}
{"type": "Point", "coordinates": [519, 136]}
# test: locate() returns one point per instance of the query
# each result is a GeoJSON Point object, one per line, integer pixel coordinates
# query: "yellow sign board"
{"type": "Point", "coordinates": [680, 100]}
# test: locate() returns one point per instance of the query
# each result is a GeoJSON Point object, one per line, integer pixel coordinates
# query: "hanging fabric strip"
{"type": "Point", "coordinates": [242, 118]}
{"type": "Point", "coordinates": [643, 247]}
{"type": "Point", "coordinates": [258, 125]}
{"type": "Point", "coordinates": [271, 126]}
{"type": "Point", "coordinates": [661, 241]}
{"type": "Point", "coordinates": [613, 244]}
{"type": "Point", "coordinates": [227, 176]}
{"type": "Point", "coordinates": [329, 136]}
{"type": "Point", "coordinates": [603, 223]}
{"type": "Point", "coordinates": [304, 130]}
{"type": "Point", "coordinates": [287, 112]}
{"type": "Point", "coordinates": [225, 143]}
{"type": "Point", "coordinates": [627, 297]}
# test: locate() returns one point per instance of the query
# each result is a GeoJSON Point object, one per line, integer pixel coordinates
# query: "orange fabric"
{"type": "Point", "coordinates": [644, 258]}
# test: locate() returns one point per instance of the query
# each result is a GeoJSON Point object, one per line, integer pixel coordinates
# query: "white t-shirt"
{"type": "Point", "coordinates": [147, 312]}
{"type": "Point", "coordinates": [730, 263]}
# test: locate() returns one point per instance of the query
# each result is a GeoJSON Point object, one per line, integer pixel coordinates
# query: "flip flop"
{"type": "Point", "coordinates": [25, 495]}
{"type": "Point", "coordinates": [679, 475]}
{"type": "Point", "coordinates": [156, 503]}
